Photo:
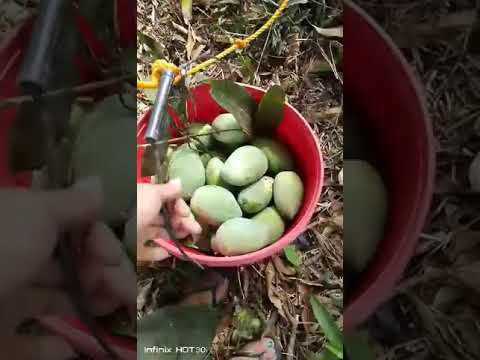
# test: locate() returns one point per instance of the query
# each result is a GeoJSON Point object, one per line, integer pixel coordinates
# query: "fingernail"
{"type": "Point", "coordinates": [176, 182]}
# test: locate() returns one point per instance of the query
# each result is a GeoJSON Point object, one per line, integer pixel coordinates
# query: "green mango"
{"type": "Point", "coordinates": [189, 169]}
{"type": "Point", "coordinates": [182, 150]}
{"type": "Point", "coordinates": [205, 157]}
{"type": "Point", "coordinates": [278, 155]}
{"type": "Point", "coordinates": [235, 136]}
{"type": "Point", "coordinates": [365, 212]}
{"type": "Point", "coordinates": [274, 222]}
{"type": "Point", "coordinates": [288, 194]}
{"type": "Point", "coordinates": [257, 196]}
{"type": "Point", "coordinates": [104, 146]}
{"type": "Point", "coordinates": [206, 138]}
{"type": "Point", "coordinates": [244, 166]}
{"type": "Point", "coordinates": [213, 205]}
{"type": "Point", "coordinates": [240, 236]}
{"type": "Point", "coordinates": [214, 168]}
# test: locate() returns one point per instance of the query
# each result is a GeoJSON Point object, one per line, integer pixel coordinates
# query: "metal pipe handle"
{"type": "Point", "coordinates": [37, 59]}
{"type": "Point", "coordinates": [157, 126]}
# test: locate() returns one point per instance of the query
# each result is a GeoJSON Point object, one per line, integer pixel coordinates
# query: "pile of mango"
{"type": "Point", "coordinates": [365, 197]}
{"type": "Point", "coordinates": [242, 190]}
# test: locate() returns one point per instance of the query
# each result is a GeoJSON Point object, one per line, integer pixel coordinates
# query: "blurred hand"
{"type": "Point", "coordinates": [31, 280]}
{"type": "Point", "coordinates": [150, 225]}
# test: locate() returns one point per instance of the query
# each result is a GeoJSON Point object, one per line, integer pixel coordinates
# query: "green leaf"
{"type": "Point", "coordinates": [177, 326]}
{"type": "Point", "coordinates": [236, 100]}
{"type": "Point", "coordinates": [186, 10]}
{"type": "Point", "coordinates": [325, 355]}
{"type": "Point", "coordinates": [326, 322]}
{"type": "Point", "coordinates": [270, 112]}
{"type": "Point", "coordinates": [338, 352]}
{"type": "Point", "coordinates": [291, 254]}
{"type": "Point", "coordinates": [357, 346]}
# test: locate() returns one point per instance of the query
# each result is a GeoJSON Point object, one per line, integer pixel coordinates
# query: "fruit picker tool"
{"type": "Point", "coordinates": [35, 77]}
{"type": "Point", "coordinates": [157, 130]}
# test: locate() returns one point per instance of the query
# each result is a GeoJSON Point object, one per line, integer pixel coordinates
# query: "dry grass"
{"type": "Point", "coordinates": [293, 55]}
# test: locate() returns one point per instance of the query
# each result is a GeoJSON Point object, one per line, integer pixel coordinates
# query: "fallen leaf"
{"type": "Point", "coordinates": [445, 297]}
{"type": "Point", "coordinates": [469, 275]}
{"type": "Point", "coordinates": [190, 43]}
{"type": "Point", "coordinates": [273, 296]}
{"type": "Point", "coordinates": [462, 242]}
{"type": "Point", "coordinates": [330, 32]}
{"type": "Point", "coordinates": [281, 267]}
{"type": "Point", "coordinates": [197, 51]}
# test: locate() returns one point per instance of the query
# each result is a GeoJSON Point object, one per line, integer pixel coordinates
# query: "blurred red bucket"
{"type": "Point", "coordinates": [382, 88]}
{"type": "Point", "coordinates": [293, 131]}
{"type": "Point", "coordinates": [12, 51]}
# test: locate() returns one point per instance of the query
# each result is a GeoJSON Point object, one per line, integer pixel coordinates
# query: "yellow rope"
{"type": "Point", "coordinates": [239, 44]}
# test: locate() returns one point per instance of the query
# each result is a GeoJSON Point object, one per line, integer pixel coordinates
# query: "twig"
{"type": "Point", "coordinates": [75, 90]}
{"type": "Point", "coordinates": [198, 58]}
{"type": "Point", "coordinates": [182, 138]}
{"type": "Point", "coordinates": [293, 338]}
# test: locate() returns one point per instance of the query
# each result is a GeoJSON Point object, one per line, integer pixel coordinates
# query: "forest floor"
{"type": "Point", "coordinates": [296, 56]}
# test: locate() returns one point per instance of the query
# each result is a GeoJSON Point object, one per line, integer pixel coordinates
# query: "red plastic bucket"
{"type": "Point", "coordinates": [381, 86]}
{"type": "Point", "coordinates": [293, 131]}
{"type": "Point", "coordinates": [12, 51]}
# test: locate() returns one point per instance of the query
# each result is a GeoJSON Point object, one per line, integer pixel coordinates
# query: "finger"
{"type": "Point", "coordinates": [76, 206]}
{"type": "Point", "coordinates": [171, 190]}
{"type": "Point", "coordinates": [157, 221]}
{"type": "Point", "coordinates": [150, 233]}
{"type": "Point", "coordinates": [103, 246]}
{"type": "Point", "coordinates": [118, 289]}
{"type": "Point", "coordinates": [191, 226]}
{"type": "Point", "coordinates": [152, 254]}
{"type": "Point", "coordinates": [181, 208]}
{"type": "Point", "coordinates": [36, 347]}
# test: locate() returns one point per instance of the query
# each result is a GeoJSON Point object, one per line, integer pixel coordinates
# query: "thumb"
{"type": "Point", "coordinates": [170, 191]}
{"type": "Point", "coordinates": [76, 206]}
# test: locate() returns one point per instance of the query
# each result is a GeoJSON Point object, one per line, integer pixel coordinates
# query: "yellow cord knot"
{"type": "Point", "coordinates": [158, 67]}
{"type": "Point", "coordinates": [240, 43]}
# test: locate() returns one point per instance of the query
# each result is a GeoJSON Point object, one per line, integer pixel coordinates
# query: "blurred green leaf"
{"type": "Point", "coordinates": [357, 346]}
{"type": "Point", "coordinates": [337, 352]}
{"type": "Point", "coordinates": [186, 10]}
{"type": "Point", "coordinates": [292, 256]}
{"type": "Point", "coordinates": [236, 100]}
{"type": "Point", "coordinates": [326, 322]}
{"type": "Point", "coordinates": [270, 111]}
{"type": "Point", "coordinates": [324, 355]}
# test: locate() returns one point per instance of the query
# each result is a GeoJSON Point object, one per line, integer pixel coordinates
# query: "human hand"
{"type": "Point", "coordinates": [150, 224]}
{"type": "Point", "coordinates": [32, 282]}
